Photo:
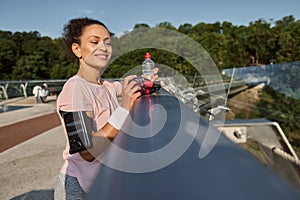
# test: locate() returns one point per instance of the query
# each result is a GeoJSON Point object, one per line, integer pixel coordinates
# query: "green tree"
{"type": "Point", "coordinates": [28, 67]}
{"type": "Point", "coordinates": [8, 57]}
{"type": "Point", "coordinates": [141, 25]}
{"type": "Point", "coordinates": [167, 25]}
{"type": "Point", "coordinates": [288, 39]}
{"type": "Point", "coordinates": [260, 41]}
{"type": "Point", "coordinates": [233, 52]}
{"type": "Point", "coordinates": [185, 28]}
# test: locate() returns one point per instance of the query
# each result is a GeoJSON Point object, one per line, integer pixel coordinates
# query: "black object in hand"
{"type": "Point", "coordinates": [148, 86]}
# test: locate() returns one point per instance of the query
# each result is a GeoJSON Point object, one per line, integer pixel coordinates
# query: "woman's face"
{"type": "Point", "coordinates": [95, 48]}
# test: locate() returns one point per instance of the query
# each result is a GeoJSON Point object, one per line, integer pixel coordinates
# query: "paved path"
{"type": "Point", "coordinates": [31, 140]}
{"type": "Point", "coordinates": [13, 134]}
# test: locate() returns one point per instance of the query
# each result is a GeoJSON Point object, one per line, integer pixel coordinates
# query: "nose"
{"type": "Point", "coordinates": [102, 46]}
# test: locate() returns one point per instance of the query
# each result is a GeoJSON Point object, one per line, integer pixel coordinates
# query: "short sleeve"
{"type": "Point", "coordinates": [75, 96]}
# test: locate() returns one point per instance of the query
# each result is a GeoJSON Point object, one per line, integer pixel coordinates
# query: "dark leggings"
{"type": "Point", "coordinates": [68, 188]}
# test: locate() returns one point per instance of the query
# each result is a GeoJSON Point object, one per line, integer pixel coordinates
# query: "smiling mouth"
{"type": "Point", "coordinates": [102, 56]}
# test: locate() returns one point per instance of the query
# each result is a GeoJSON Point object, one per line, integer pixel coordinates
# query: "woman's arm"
{"type": "Point", "coordinates": [103, 137]}
{"type": "Point", "coordinates": [101, 140]}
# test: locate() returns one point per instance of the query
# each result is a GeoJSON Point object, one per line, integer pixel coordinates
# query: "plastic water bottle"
{"type": "Point", "coordinates": [148, 66]}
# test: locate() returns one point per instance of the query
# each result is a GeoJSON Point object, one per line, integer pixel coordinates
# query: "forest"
{"type": "Point", "coordinates": [29, 56]}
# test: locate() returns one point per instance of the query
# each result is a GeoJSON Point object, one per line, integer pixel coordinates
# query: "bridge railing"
{"type": "Point", "coordinates": [18, 88]}
{"type": "Point", "coordinates": [156, 155]}
{"type": "Point", "coordinates": [15, 88]}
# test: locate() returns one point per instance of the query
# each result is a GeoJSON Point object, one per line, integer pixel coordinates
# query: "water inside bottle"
{"type": "Point", "coordinates": [148, 72]}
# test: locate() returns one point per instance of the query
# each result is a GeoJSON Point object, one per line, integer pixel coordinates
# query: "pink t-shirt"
{"type": "Point", "coordinates": [81, 95]}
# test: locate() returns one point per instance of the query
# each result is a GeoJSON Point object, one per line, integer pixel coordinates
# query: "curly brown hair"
{"type": "Point", "coordinates": [74, 29]}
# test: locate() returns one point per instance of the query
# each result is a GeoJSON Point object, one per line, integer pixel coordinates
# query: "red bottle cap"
{"type": "Point", "coordinates": [147, 55]}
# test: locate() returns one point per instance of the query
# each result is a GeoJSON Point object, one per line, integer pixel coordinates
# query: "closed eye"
{"type": "Point", "coordinates": [95, 42]}
{"type": "Point", "coordinates": [107, 42]}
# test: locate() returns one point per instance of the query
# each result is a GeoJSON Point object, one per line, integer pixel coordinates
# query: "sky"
{"type": "Point", "coordinates": [49, 16]}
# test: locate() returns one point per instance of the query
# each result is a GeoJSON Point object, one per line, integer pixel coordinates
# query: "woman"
{"type": "Point", "coordinates": [90, 42]}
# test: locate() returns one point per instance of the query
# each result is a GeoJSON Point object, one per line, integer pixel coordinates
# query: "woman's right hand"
{"type": "Point", "coordinates": [130, 92]}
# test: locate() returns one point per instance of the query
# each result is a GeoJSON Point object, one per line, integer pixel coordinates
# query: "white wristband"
{"type": "Point", "coordinates": [118, 117]}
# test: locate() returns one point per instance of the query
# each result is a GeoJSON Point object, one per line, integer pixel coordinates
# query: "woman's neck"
{"type": "Point", "coordinates": [90, 75]}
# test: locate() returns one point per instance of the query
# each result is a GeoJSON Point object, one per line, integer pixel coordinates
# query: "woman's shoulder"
{"type": "Point", "coordinates": [75, 79]}
{"type": "Point", "coordinates": [76, 92]}
{"type": "Point", "coordinates": [76, 82]}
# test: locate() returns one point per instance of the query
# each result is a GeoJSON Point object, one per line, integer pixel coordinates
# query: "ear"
{"type": "Point", "coordinates": [76, 50]}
